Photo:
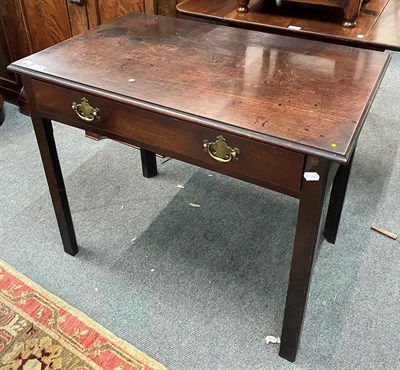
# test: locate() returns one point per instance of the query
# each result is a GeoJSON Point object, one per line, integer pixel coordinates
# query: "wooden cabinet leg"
{"type": "Point", "coordinates": [336, 201]}
{"type": "Point", "coordinates": [307, 231]}
{"type": "Point", "coordinates": [351, 9]}
{"type": "Point", "coordinates": [149, 163]}
{"type": "Point", "coordinates": [243, 6]}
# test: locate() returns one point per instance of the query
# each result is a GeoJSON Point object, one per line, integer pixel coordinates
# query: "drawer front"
{"type": "Point", "coordinates": [254, 162]}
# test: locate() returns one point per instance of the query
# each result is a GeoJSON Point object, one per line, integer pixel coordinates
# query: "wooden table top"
{"type": "Point", "coordinates": [305, 95]}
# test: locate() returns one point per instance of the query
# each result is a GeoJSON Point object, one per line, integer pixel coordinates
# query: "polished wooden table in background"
{"type": "Point", "coordinates": [377, 24]}
{"type": "Point", "coordinates": [270, 110]}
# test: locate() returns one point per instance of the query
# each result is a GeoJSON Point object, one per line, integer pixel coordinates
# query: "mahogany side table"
{"type": "Point", "coordinates": [270, 110]}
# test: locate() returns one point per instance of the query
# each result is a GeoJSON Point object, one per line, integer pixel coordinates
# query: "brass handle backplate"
{"type": "Point", "coordinates": [85, 111]}
{"type": "Point", "coordinates": [219, 151]}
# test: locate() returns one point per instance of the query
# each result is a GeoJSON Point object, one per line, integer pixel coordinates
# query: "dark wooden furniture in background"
{"type": "Point", "coordinates": [351, 8]}
{"type": "Point", "coordinates": [2, 114]}
{"type": "Point", "coordinates": [293, 111]}
{"type": "Point", "coordinates": [29, 26]}
{"type": "Point", "coordinates": [377, 26]}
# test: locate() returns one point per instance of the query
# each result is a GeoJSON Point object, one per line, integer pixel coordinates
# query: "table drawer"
{"type": "Point", "coordinates": [206, 147]}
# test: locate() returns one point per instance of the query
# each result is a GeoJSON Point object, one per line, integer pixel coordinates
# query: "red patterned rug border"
{"type": "Point", "coordinates": [17, 295]}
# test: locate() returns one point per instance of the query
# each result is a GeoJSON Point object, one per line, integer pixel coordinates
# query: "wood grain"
{"type": "Point", "coordinates": [77, 18]}
{"type": "Point", "coordinates": [150, 6]}
{"type": "Point", "coordinates": [167, 7]}
{"type": "Point", "coordinates": [5, 58]}
{"type": "Point", "coordinates": [13, 21]}
{"type": "Point", "coordinates": [14, 44]}
{"type": "Point", "coordinates": [92, 13]}
{"type": "Point", "coordinates": [110, 9]}
{"type": "Point", "coordinates": [47, 24]}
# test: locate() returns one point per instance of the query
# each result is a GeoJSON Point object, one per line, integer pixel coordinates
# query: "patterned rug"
{"type": "Point", "coordinates": [38, 331]}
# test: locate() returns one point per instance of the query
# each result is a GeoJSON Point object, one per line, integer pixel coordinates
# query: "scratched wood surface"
{"type": "Point", "coordinates": [310, 93]}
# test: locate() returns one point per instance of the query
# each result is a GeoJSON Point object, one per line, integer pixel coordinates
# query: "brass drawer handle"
{"type": "Point", "coordinates": [219, 151]}
{"type": "Point", "coordinates": [85, 111]}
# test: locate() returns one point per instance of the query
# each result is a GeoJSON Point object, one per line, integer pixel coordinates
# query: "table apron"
{"type": "Point", "coordinates": [259, 163]}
